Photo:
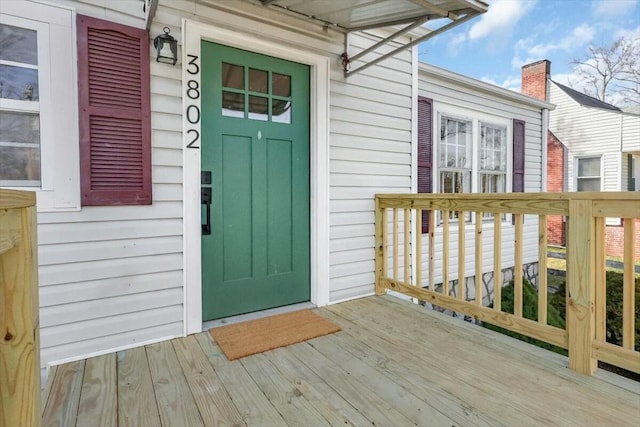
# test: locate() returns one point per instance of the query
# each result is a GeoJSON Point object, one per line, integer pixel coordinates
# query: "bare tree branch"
{"type": "Point", "coordinates": [611, 73]}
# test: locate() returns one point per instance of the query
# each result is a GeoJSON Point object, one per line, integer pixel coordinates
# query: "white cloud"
{"type": "Point", "coordinates": [611, 8]}
{"type": "Point", "coordinates": [527, 51]}
{"type": "Point", "coordinates": [633, 33]}
{"type": "Point", "coordinates": [455, 43]}
{"type": "Point", "coordinates": [509, 82]}
{"type": "Point", "coordinates": [501, 16]}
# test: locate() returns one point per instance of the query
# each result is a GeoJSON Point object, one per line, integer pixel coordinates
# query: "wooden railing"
{"type": "Point", "coordinates": [19, 334]}
{"type": "Point", "coordinates": [516, 225]}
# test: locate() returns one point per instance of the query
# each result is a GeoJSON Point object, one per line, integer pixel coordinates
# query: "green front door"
{"type": "Point", "coordinates": [255, 144]}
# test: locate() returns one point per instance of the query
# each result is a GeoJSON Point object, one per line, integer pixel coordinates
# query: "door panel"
{"type": "Point", "coordinates": [255, 141]}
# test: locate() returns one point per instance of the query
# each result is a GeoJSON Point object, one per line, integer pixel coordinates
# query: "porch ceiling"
{"type": "Point", "coordinates": [355, 15]}
{"type": "Point", "coordinates": [360, 15]}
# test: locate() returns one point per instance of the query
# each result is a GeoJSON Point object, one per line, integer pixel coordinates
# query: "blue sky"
{"type": "Point", "coordinates": [493, 46]}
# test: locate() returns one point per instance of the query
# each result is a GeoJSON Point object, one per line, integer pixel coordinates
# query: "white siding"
{"type": "Point", "coordinates": [111, 277]}
{"type": "Point", "coordinates": [588, 132]}
{"type": "Point", "coordinates": [631, 132]}
{"type": "Point", "coordinates": [443, 91]}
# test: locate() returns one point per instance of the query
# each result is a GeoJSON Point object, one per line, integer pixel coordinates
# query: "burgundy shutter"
{"type": "Point", "coordinates": [425, 151]}
{"type": "Point", "coordinates": [518, 156]}
{"type": "Point", "coordinates": [115, 118]}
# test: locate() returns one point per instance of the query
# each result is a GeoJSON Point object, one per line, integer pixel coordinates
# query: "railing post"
{"type": "Point", "coordinates": [19, 319]}
{"type": "Point", "coordinates": [381, 243]}
{"type": "Point", "coordinates": [581, 286]}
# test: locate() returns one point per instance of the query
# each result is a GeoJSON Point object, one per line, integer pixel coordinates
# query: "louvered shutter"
{"type": "Point", "coordinates": [115, 122]}
{"type": "Point", "coordinates": [425, 151]}
{"type": "Point", "coordinates": [518, 156]}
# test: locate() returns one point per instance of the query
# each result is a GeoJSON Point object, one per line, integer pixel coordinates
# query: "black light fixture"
{"type": "Point", "coordinates": [166, 47]}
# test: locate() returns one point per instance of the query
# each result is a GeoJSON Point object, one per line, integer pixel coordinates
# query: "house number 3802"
{"type": "Point", "coordinates": [192, 112]}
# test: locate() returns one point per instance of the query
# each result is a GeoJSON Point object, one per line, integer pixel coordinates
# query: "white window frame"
{"type": "Point", "coordinates": [576, 166]}
{"type": "Point", "coordinates": [476, 118]}
{"type": "Point", "coordinates": [59, 188]}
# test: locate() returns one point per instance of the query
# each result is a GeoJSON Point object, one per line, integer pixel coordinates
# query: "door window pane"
{"type": "Point", "coordinates": [18, 44]}
{"type": "Point", "coordinates": [281, 85]}
{"type": "Point", "coordinates": [281, 111]}
{"type": "Point", "coordinates": [232, 104]}
{"type": "Point", "coordinates": [258, 108]}
{"type": "Point", "coordinates": [18, 83]}
{"type": "Point", "coordinates": [258, 81]}
{"type": "Point", "coordinates": [232, 76]}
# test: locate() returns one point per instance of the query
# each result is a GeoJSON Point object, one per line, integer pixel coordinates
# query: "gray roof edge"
{"type": "Point", "coordinates": [586, 100]}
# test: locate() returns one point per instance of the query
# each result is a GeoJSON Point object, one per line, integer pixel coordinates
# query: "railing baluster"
{"type": "Point", "coordinates": [600, 279]}
{"type": "Point", "coordinates": [395, 244]}
{"type": "Point", "coordinates": [418, 248]}
{"type": "Point", "coordinates": [478, 257]}
{"type": "Point", "coordinates": [497, 262]}
{"type": "Point", "coordinates": [517, 269]}
{"type": "Point", "coordinates": [407, 245]}
{"type": "Point", "coordinates": [462, 285]}
{"type": "Point", "coordinates": [432, 249]}
{"type": "Point", "coordinates": [628, 294]}
{"type": "Point", "coordinates": [445, 249]}
{"type": "Point", "coordinates": [542, 269]}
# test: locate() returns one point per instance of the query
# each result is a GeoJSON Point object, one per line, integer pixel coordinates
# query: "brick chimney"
{"type": "Point", "coordinates": [535, 78]}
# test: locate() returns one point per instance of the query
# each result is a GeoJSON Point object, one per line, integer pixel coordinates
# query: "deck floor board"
{"type": "Point", "coordinates": [393, 363]}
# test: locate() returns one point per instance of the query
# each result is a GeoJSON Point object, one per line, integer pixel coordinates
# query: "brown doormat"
{"type": "Point", "coordinates": [255, 336]}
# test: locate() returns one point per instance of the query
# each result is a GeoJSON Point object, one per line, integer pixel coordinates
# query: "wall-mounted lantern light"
{"type": "Point", "coordinates": [166, 47]}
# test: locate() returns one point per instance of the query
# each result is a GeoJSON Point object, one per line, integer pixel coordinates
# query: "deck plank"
{"type": "Point", "coordinates": [501, 371]}
{"type": "Point", "coordinates": [326, 400]}
{"type": "Point", "coordinates": [391, 363]}
{"type": "Point", "coordinates": [62, 406]}
{"type": "Point", "coordinates": [215, 405]}
{"type": "Point", "coordinates": [255, 408]}
{"type": "Point", "coordinates": [136, 398]}
{"type": "Point", "coordinates": [402, 399]}
{"type": "Point", "coordinates": [529, 358]}
{"type": "Point", "coordinates": [175, 401]}
{"type": "Point", "coordinates": [98, 401]}
{"type": "Point", "coordinates": [46, 391]}
{"type": "Point", "coordinates": [285, 396]}
{"type": "Point", "coordinates": [351, 389]}
{"type": "Point", "coordinates": [441, 369]}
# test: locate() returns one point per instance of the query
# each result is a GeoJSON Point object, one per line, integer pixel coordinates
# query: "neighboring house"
{"type": "Point", "coordinates": [592, 146]}
{"type": "Point", "coordinates": [474, 137]}
{"type": "Point", "coordinates": [238, 179]}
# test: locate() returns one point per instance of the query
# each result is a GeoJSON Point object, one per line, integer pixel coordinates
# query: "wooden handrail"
{"type": "Point", "coordinates": [584, 336]}
{"type": "Point", "coordinates": [20, 403]}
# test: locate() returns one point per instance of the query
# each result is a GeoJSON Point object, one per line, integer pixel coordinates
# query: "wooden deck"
{"type": "Point", "coordinates": [393, 364]}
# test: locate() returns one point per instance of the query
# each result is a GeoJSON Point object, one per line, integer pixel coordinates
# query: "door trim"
{"type": "Point", "coordinates": [192, 34]}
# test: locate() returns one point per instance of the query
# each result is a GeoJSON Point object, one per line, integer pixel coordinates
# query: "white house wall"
{"type": "Point", "coordinates": [631, 133]}
{"type": "Point", "coordinates": [112, 277]}
{"type": "Point", "coordinates": [588, 132]}
{"type": "Point", "coordinates": [445, 92]}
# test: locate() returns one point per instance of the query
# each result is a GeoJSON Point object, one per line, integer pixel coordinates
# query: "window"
{"type": "Point", "coordinates": [455, 147]}
{"type": "Point", "coordinates": [473, 152]}
{"type": "Point", "coordinates": [38, 104]}
{"type": "Point", "coordinates": [493, 159]}
{"type": "Point", "coordinates": [20, 153]}
{"type": "Point", "coordinates": [588, 174]}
